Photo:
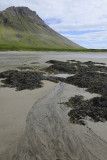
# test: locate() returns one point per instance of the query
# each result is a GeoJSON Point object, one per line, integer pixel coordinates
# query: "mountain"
{"type": "Point", "coordinates": [22, 27]}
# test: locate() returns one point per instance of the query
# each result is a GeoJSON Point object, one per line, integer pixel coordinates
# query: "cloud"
{"type": "Point", "coordinates": [72, 16]}
{"type": "Point", "coordinates": [96, 39]}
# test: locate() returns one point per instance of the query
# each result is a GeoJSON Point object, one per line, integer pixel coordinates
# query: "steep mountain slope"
{"type": "Point", "coordinates": [22, 27]}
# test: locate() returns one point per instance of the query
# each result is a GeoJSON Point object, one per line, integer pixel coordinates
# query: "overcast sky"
{"type": "Point", "coordinates": [83, 21]}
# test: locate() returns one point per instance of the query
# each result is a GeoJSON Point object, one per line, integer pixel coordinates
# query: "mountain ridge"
{"type": "Point", "coordinates": [23, 27]}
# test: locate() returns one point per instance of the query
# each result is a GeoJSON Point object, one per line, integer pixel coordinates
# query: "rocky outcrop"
{"type": "Point", "coordinates": [9, 15]}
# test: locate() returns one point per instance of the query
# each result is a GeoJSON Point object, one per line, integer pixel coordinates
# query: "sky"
{"type": "Point", "coordinates": [82, 21]}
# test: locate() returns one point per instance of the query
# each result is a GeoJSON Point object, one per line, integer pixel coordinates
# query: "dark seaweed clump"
{"type": "Point", "coordinates": [96, 108]}
{"type": "Point", "coordinates": [90, 75]}
{"type": "Point", "coordinates": [22, 80]}
{"type": "Point", "coordinates": [61, 67]}
{"type": "Point", "coordinates": [74, 67]}
{"type": "Point", "coordinates": [93, 81]}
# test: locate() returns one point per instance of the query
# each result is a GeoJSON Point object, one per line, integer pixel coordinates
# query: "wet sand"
{"type": "Point", "coordinates": [50, 135]}
{"type": "Point", "coordinates": [14, 107]}
{"type": "Point", "coordinates": [43, 132]}
{"type": "Point", "coordinates": [99, 128]}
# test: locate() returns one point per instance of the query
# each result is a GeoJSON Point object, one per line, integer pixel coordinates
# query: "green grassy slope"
{"type": "Point", "coordinates": [23, 28]}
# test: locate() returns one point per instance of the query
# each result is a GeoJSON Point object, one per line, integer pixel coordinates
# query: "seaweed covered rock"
{"type": "Point", "coordinates": [95, 108]}
{"type": "Point", "coordinates": [61, 67]}
{"type": "Point", "coordinates": [25, 79]}
{"type": "Point", "coordinates": [73, 66]}
{"type": "Point", "coordinates": [22, 80]}
{"type": "Point", "coordinates": [95, 82]}
{"type": "Point", "coordinates": [90, 75]}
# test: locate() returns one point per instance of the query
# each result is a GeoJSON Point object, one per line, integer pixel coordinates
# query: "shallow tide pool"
{"type": "Point", "coordinates": [63, 75]}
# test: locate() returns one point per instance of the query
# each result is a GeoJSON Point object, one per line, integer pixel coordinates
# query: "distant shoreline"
{"type": "Point", "coordinates": [7, 47]}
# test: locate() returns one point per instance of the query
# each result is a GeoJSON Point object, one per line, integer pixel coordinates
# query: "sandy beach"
{"type": "Point", "coordinates": [14, 107]}
{"type": "Point", "coordinates": [33, 123]}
